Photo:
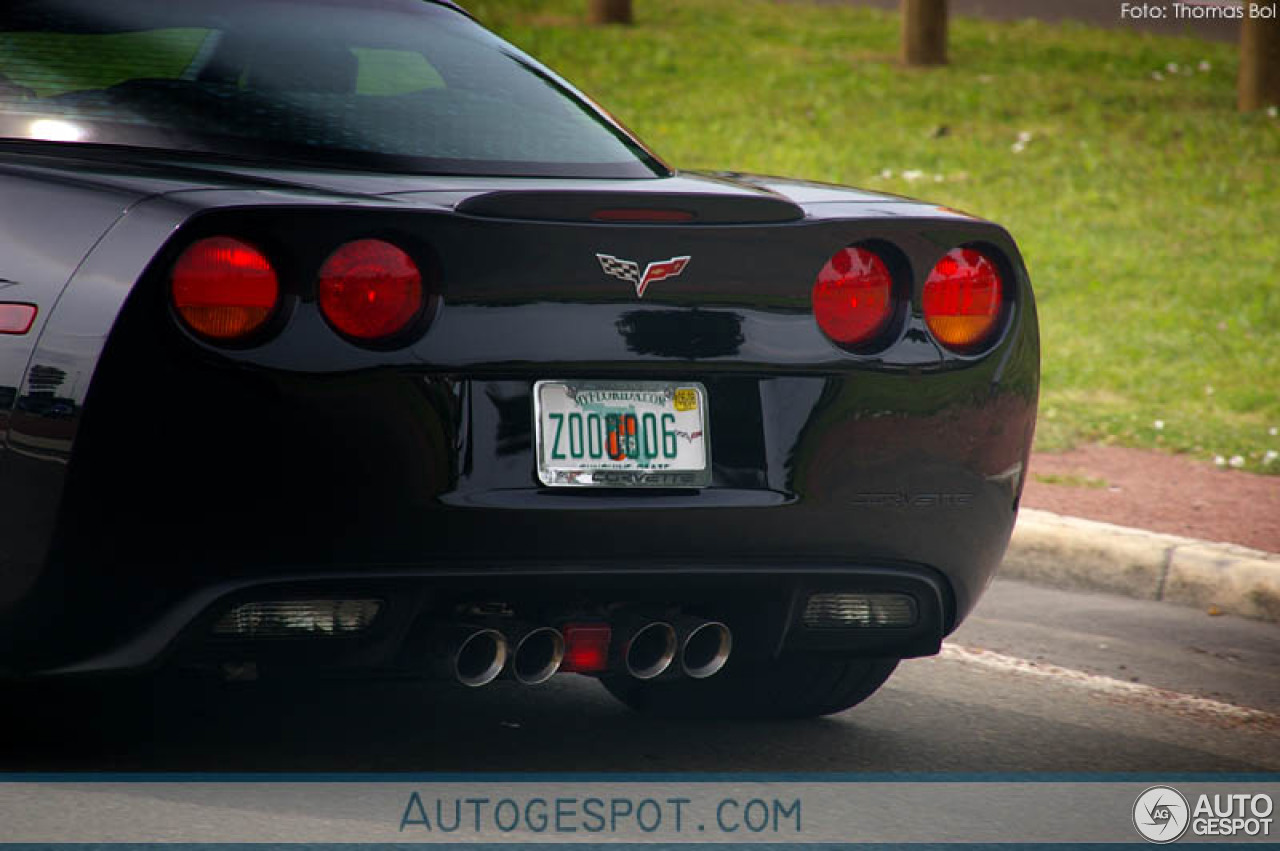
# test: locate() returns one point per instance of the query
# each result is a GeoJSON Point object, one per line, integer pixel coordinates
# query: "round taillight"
{"type": "Point", "coordinates": [963, 298]}
{"type": "Point", "coordinates": [224, 288]}
{"type": "Point", "coordinates": [853, 297]}
{"type": "Point", "coordinates": [370, 290]}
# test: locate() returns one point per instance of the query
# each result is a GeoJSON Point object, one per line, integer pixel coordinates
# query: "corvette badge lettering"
{"type": "Point", "coordinates": [629, 270]}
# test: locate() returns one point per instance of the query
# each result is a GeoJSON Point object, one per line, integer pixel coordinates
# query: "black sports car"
{"type": "Point", "coordinates": [340, 336]}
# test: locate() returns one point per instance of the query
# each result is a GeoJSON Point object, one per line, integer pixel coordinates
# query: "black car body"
{"type": "Point", "coordinates": [161, 490]}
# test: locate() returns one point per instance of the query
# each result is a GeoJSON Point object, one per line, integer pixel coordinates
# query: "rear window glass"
{"type": "Point", "coordinates": [389, 84]}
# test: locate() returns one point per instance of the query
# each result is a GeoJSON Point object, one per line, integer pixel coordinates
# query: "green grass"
{"type": "Point", "coordinates": [1148, 210]}
{"type": "Point", "coordinates": [55, 63]}
{"type": "Point", "coordinates": [1070, 480]}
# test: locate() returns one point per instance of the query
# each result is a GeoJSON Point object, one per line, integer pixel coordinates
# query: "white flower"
{"type": "Point", "coordinates": [1270, 456]}
{"type": "Point", "coordinates": [1205, 67]}
{"type": "Point", "coordinates": [1236, 461]}
{"type": "Point", "coordinates": [1024, 136]}
{"type": "Point", "coordinates": [937, 178]}
{"type": "Point", "coordinates": [887, 174]}
{"type": "Point", "coordinates": [1159, 424]}
{"type": "Point", "coordinates": [1273, 431]}
{"type": "Point", "coordinates": [1018, 147]}
{"type": "Point", "coordinates": [912, 175]}
{"type": "Point", "coordinates": [1172, 67]}
{"type": "Point", "coordinates": [1273, 111]}
{"type": "Point", "coordinates": [1208, 390]}
{"type": "Point", "coordinates": [1219, 460]}
{"type": "Point", "coordinates": [1157, 76]}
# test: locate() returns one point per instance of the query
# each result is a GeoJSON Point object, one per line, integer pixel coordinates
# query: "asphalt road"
{"type": "Point", "coordinates": [1037, 680]}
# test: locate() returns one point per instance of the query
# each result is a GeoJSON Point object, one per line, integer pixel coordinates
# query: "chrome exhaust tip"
{"type": "Point", "coordinates": [478, 657]}
{"type": "Point", "coordinates": [650, 650]}
{"type": "Point", "coordinates": [705, 649]}
{"type": "Point", "coordinates": [538, 655]}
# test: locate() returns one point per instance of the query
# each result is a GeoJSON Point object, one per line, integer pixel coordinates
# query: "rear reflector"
{"type": "Point", "coordinates": [224, 288]}
{"type": "Point", "coordinates": [17, 318]}
{"type": "Point", "coordinates": [857, 611]}
{"type": "Point", "coordinates": [285, 618]}
{"type": "Point", "coordinates": [586, 648]}
{"type": "Point", "coordinates": [852, 299]}
{"type": "Point", "coordinates": [370, 290]}
{"type": "Point", "coordinates": [962, 300]}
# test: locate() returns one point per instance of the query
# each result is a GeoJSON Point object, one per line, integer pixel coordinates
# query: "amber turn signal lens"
{"type": "Point", "coordinates": [224, 288]}
{"type": "Point", "coordinates": [370, 290]}
{"type": "Point", "coordinates": [853, 297]}
{"type": "Point", "coordinates": [962, 300]}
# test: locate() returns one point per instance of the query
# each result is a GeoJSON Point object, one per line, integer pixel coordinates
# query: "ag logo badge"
{"type": "Point", "coordinates": [1161, 814]}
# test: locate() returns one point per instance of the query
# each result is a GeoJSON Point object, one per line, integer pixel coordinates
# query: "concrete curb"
{"type": "Point", "coordinates": [1069, 552]}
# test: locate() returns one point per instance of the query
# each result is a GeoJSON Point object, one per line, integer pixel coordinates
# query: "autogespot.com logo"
{"type": "Point", "coordinates": [1160, 814]}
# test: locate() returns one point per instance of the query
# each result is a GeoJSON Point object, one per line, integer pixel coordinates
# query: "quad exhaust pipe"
{"type": "Point", "coordinates": [474, 656]}
{"type": "Point", "coordinates": [649, 649]}
{"type": "Point", "coordinates": [477, 655]}
{"type": "Point", "coordinates": [704, 647]}
{"type": "Point", "coordinates": [700, 647]}
{"type": "Point", "coordinates": [538, 655]}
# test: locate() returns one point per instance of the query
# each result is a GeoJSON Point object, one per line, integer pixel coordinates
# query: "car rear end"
{"type": "Point", "coordinates": [299, 496]}
{"type": "Point", "coordinates": [404, 359]}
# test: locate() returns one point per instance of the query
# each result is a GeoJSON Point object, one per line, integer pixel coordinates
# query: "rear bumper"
{"type": "Point", "coordinates": [427, 483]}
{"type": "Point", "coordinates": [761, 604]}
{"type": "Point", "coordinates": [247, 480]}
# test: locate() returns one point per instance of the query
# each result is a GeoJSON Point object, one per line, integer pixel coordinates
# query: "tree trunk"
{"type": "Point", "coordinates": [1259, 84]}
{"type": "Point", "coordinates": [610, 12]}
{"type": "Point", "coordinates": [924, 32]}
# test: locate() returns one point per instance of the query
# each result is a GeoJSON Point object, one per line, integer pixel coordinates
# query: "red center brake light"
{"type": "Point", "coordinates": [853, 297]}
{"type": "Point", "coordinates": [641, 214]}
{"type": "Point", "coordinates": [224, 288]}
{"type": "Point", "coordinates": [963, 298]}
{"type": "Point", "coordinates": [586, 648]}
{"type": "Point", "coordinates": [370, 289]}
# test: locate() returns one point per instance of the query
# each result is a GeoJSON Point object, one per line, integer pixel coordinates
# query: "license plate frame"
{"type": "Point", "coordinates": [595, 401]}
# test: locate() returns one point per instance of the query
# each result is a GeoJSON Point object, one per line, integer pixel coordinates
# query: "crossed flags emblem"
{"type": "Point", "coordinates": [629, 270]}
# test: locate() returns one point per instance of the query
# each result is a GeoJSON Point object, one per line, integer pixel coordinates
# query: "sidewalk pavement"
{"type": "Point", "coordinates": [1068, 552]}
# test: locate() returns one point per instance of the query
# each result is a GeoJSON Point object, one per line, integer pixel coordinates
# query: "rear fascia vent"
{"type": "Point", "coordinates": [847, 610]}
{"type": "Point", "coordinates": [298, 618]}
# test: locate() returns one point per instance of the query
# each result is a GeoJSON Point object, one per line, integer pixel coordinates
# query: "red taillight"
{"type": "Point", "coordinates": [224, 288]}
{"type": "Point", "coordinates": [370, 289]}
{"type": "Point", "coordinates": [16, 318]}
{"type": "Point", "coordinates": [962, 299]}
{"type": "Point", "coordinates": [853, 297]}
{"type": "Point", "coordinates": [586, 648]}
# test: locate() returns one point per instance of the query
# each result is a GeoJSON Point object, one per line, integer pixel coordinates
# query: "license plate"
{"type": "Point", "coordinates": [622, 434]}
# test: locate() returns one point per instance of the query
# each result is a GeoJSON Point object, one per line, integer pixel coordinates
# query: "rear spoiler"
{"type": "Point", "coordinates": [632, 207]}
